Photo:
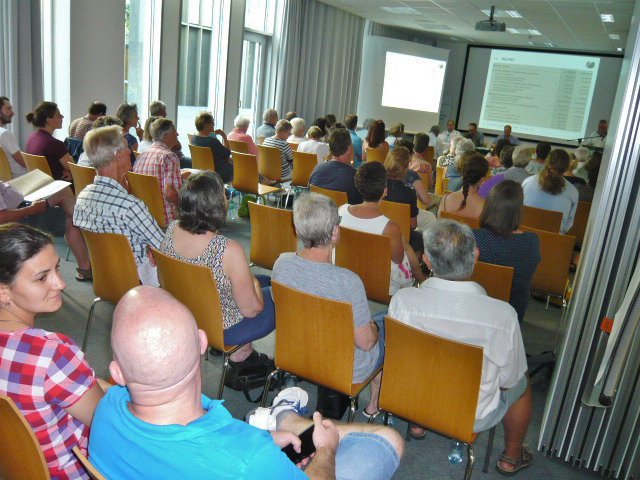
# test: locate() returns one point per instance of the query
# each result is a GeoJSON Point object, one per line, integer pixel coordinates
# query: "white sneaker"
{"type": "Point", "coordinates": [293, 398]}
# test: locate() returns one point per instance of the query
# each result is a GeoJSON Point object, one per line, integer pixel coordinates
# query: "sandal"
{"type": "Point", "coordinates": [371, 416]}
{"type": "Point", "coordinates": [417, 432]}
{"type": "Point", "coordinates": [84, 275]}
{"type": "Point", "coordinates": [518, 463]}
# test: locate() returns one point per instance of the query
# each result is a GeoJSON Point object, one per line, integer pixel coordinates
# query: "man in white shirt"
{"type": "Point", "coordinates": [8, 141]}
{"type": "Point", "coordinates": [598, 137]}
{"type": "Point", "coordinates": [446, 136]}
{"type": "Point", "coordinates": [450, 306]}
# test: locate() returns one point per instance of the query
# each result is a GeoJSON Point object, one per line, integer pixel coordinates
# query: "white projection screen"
{"type": "Point", "coordinates": [543, 95]}
{"type": "Point", "coordinates": [401, 82]}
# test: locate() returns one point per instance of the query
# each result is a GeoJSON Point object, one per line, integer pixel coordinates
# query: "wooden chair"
{"type": "Point", "coordinates": [472, 222]}
{"type": "Point", "coordinates": [21, 456]}
{"type": "Point", "coordinates": [376, 155]}
{"type": "Point", "coordinates": [541, 219]}
{"type": "Point", "coordinates": [430, 154]}
{"type": "Point", "coordinates": [245, 176]}
{"type": "Point", "coordinates": [552, 275]}
{"type": "Point", "coordinates": [445, 185]}
{"type": "Point", "coordinates": [439, 188]}
{"type": "Point", "coordinates": [340, 198]}
{"type": "Point", "coordinates": [303, 165]}
{"type": "Point", "coordinates": [328, 359]}
{"type": "Point", "coordinates": [82, 176]}
{"type": "Point", "coordinates": [93, 472]}
{"type": "Point", "coordinates": [293, 146]}
{"type": "Point", "coordinates": [369, 256]}
{"type": "Point", "coordinates": [399, 213]}
{"type": "Point", "coordinates": [580, 220]}
{"type": "Point", "coordinates": [114, 269]}
{"type": "Point", "coordinates": [195, 286]}
{"type": "Point", "coordinates": [36, 162]}
{"type": "Point", "coordinates": [270, 163]}
{"type": "Point", "coordinates": [5, 168]}
{"type": "Point", "coordinates": [240, 147]}
{"type": "Point", "coordinates": [147, 189]}
{"type": "Point", "coordinates": [433, 382]}
{"type": "Point", "coordinates": [426, 182]}
{"type": "Point", "coordinates": [496, 279]}
{"type": "Point", "coordinates": [202, 158]}
{"type": "Point", "coordinates": [272, 233]}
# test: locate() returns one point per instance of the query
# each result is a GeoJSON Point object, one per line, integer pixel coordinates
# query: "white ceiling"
{"type": "Point", "coordinates": [565, 24]}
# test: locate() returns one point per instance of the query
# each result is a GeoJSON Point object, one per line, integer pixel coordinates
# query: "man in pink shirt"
{"type": "Point", "coordinates": [239, 134]}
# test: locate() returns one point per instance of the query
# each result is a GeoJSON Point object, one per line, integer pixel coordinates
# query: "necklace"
{"type": "Point", "coordinates": [19, 320]}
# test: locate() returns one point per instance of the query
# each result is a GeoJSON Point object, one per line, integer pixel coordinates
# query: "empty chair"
{"type": "Point", "coordinates": [472, 222]}
{"type": "Point", "coordinates": [541, 219]}
{"type": "Point", "coordinates": [202, 158]}
{"type": "Point", "coordinates": [5, 168]}
{"type": "Point", "coordinates": [36, 162]}
{"type": "Point", "coordinates": [272, 233]}
{"type": "Point", "coordinates": [303, 165]}
{"type": "Point", "coordinates": [245, 176]}
{"type": "Point", "coordinates": [237, 146]}
{"type": "Point", "coordinates": [82, 176]}
{"type": "Point", "coordinates": [340, 198]}
{"type": "Point", "coordinates": [399, 213]}
{"type": "Point", "coordinates": [495, 279]}
{"type": "Point", "coordinates": [376, 155]}
{"type": "Point", "coordinates": [147, 189]}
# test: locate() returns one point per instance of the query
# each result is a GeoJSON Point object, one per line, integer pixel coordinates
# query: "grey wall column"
{"type": "Point", "coordinates": [234, 63]}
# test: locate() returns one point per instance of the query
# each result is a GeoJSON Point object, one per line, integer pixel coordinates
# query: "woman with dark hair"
{"type": "Point", "coordinates": [493, 157]}
{"type": "Point", "coordinates": [247, 307]}
{"type": "Point", "coordinates": [501, 242]}
{"type": "Point", "coordinates": [321, 123]}
{"type": "Point", "coordinates": [467, 202]}
{"type": "Point", "coordinates": [44, 373]}
{"type": "Point", "coordinates": [375, 139]}
{"type": "Point", "coordinates": [550, 190]}
{"type": "Point", "coordinates": [127, 113]}
{"type": "Point", "coordinates": [592, 167]}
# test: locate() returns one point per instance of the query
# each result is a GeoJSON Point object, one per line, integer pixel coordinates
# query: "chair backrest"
{"type": "Point", "coordinates": [472, 222]}
{"type": "Point", "coordinates": [430, 154]}
{"type": "Point", "coordinates": [94, 474]}
{"type": "Point", "coordinates": [430, 380]}
{"type": "Point", "coordinates": [202, 158]}
{"type": "Point", "coordinates": [426, 182]}
{"type": "Point", "coordinates": [195, 287]}
{"type": "Point", "coordinates": [496, 279]}
{"type": "Point", "coordinates": [20, 453]}
{"type": "Point", "coordinates": [269, 162]}
{"type": "Point", "coordinates": [272, 233]}
{"type": "Point", "coordinates": [237, 146]}
{"type": "Point", "coordinates": [113, 264]}
{"type": "Point", "coordinates": [5, 168]}
{"type": "Point", "coordinates": [245, 173]}
{"type": "Point", "coordinates": [75, 147]}
{"type": "Point", "coordinates": [541, 219]}
{"type": "Point", "coordinates": [580, 222]}
{"type": "Point", "coordinates": [36, 162]}
{"type": "Point", "coordinates": [399, 213]}
{"type": "Point", "coordinates": [340, 198]}
{"type": "Point", "coordinates": [369, 256]}
{"type": "Point", "coordinates": [303, 165]}
{"type": "Point", "coordinates": [376, 155]}
{"type": "Point", "coordinates": [445, 185]}
{"type": "Point", "coordinates": [439, 188]}
{"type": "Point", "coordinates": [556, 251]}
{"type": "Point", "coordinates": [293, 145]}
{"type": "Point", "coordinates": [328, 359]}
{"type": "Point", "coordinates": [147, 189]}
{"type": "Point", "coordinates": [82, 176]}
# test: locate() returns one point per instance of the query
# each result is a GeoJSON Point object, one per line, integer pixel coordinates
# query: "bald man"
{"type": "Point", "coordinates": [161, 426]}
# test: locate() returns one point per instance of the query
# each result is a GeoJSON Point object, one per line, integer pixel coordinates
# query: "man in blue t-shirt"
{"type": "Point", "coordinates": [157, 424]}
{"type": "Point", "coordinates": [351, 122]}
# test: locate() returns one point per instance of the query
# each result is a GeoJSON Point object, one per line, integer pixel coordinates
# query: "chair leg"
{"type": "Point", "coordinates": [86, 331]}
{"type": "Point", "coordinates": [68, 253]}
{"type": "Point", "coordinates": [471, 458]}
{"type": "Point", "coordinates": [225, 366]}
{"type": "Point", "coordinates": [267, 386]}
{"type": "Point", "coordinates": [407, 437]}
{"type": "Point", "coordinates": [547, 306]}
{"type": "Point", "coordinates": [487, 453]}
{"type": "Point", "coordinates": [385, 419]}
{"type": "Point", "coordinates": [352, 409]}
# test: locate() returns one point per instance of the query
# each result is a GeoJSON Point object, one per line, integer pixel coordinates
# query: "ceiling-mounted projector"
{"type": "Point", "coordinates": [491, 25]}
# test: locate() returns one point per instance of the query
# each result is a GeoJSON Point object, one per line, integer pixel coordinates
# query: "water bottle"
{"type": "Point", "coordinates": [456, 453]}
{"type": "Point", "coordinates": [233, 210]}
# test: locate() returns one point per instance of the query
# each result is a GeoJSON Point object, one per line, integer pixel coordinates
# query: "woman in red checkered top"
{"type": "Point", "coordinates": [44, 373]}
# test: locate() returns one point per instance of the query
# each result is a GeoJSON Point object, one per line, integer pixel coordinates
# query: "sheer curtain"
{"type": "Point", "coordinates": [20, 60]}
{"type": "Point", "coordinates": [317, 65]}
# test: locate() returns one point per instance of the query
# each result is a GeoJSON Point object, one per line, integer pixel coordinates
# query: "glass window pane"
{"type": "Point", "coordinates": [207, 13]}
{"type": "Point", "coordinates": [203, 93]}
{"type": "Point", "coordinates": [194, 11]}
{"type": "Point", "coordinates": [258, 16]}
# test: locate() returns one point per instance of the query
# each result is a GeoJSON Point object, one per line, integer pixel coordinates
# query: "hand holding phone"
{"type": "Point", "coordinates": [306, 449]}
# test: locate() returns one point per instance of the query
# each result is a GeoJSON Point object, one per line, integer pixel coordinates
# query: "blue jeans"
{"type": "Point", "coordinates": [365, 455]}
{"type": "Point", "coordinates": [250, 329]}
{"type": "Point", "coordinates": [379, 319]}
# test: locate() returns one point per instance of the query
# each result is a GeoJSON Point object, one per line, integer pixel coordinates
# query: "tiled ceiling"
{"type": "Point", "coordinates": [562, 24]}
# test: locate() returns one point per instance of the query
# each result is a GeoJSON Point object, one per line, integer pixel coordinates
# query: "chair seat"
{"type": "Point", "coordinates": [266, 189]}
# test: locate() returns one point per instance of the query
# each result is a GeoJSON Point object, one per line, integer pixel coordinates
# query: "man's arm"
{"type": "Point", "coordinates": [325, 438]}
{"type": "Point", "coordinates": [13, 214]}
{"type": "Point", "coordinates": [18, 158]}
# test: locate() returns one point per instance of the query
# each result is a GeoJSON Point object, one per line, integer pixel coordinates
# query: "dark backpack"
{"type": "Point", "coordinates": [245, 378]}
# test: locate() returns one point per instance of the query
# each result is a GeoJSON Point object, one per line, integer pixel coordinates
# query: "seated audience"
{"type": "Point", "coordinates": [128, 115]}
{"type": "Point", "coordinates": [513, 140]}
{"type": "Point", "coordinates": [501, 241]}
{"type": "Point", "coordinates": [371, 182]}
{"type": "Point", "coordinates": [330, 121]}
{"type": "Point", "coordinates": [239, 134]}
{"type": "Point", "coordinates": [419, 162]}
{"type": "Point", "coordinates": [537, 164]}
{"type": "Point", "coordinates": [8, 141]}
{"type": "Point", "coordinates": [505, 394]}
{"type": "Point", "coordinates": [163, 164]}
{"type": "Point", "coordinates": [206, 137]}
{"type": "Point", "coordinates": [375, 139]}
{"type": "Point", "coordinates": [337, 174]}
{"type": "Point", "coordinates": [268, 128]}
{"type": "Point", "coordinates": [550, 190]}
{"type": "Point", "coordinates": [157, 108]}
{"type": "Point", "coordinates": [454, 171]}
{"type": "Point", "coordinates": [506, 162]}
{"type": "Point", "coordinates": [279, 141]}
{"type": "Point", "coordinates": [467, 202]}
{"type": "Point", "coordinates": [446, 136]}
{"type": "Point", "coordinates": [44, 373]}
{"type": "Point", "coordinates": [450, 157]}
{"type": "Point", "coordinates": [434, 141]}
{"type": "Point", "coordinates": [105, 206]}
{"type": "Point", "coordinates": [147, 141]}
{"type": "Point", "coordinates": [570, 176]}
{"type": "Point", "coordinates": [106, 121]}
{"type": "Point", "coordinates": [364, 131]}
{"type": "Point", "coordinates": [314, 145]}
{"type": "Point", "coordinates": [592, 167]}
{"type": "Point", "coordinates": [350, 123]}
{"type": "Point", "coordinates": [582, 155]}
{"type": "Point", "coordinates": [493, 157]}
{"type": "Point", "coordinates": [80, 126]}
{"type": "Point", "coordinates": [321, 123]}
{"type": "Point", "coordinates": [521, 156]}
{"type": "Point", "coordinates": [290, 116]}
{"type": "Point", "coordinates": [396, 132]}
{"type": "Point", "coordinates": [12, 207]}
{"type": "Point", "coordinates": [158, 415]}
{"type": "Point", "coordinates": [413, 179]}
{"type": "Point", "coordinates": [247, 308]}
{"type": "Point", "coordinates": [298, 128]}
{"type": "Point", "coordinates": [474, 135]}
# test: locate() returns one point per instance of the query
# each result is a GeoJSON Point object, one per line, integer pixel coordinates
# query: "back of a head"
{"type": "Point", "coordinates": [241, 122]}
{"type": "Point", "coordinates": [475, 168]}
{"type": "Point", "coordinates": [201, 205]}
{"type": "Point", "coordinates": [397, 163]}
{"type": "Point", "coordinates": [298, 126]}
{"type": "Point", "coordinates": [126, 112]}
{"type": "Point", "coordinates": [314, 217]}
{"type": "Point", "coordinates": [435, 129]}
{"type": "Point", "coordinates": [521, 156]}
{"type": "Point", "coordinates": [506, 157]}
{"type": "Point", "coordinates": [450, 247]}
{"type": "Point", "coordinates": [351, 122]}
{"type": "Point", "coordinates": [397, 130]}
{"type": "Point", "coordinates": [160, 127]}
{"type": "Point", "coordinates": [593, 168]}
{"type": "Point", "coordinates": [146, 136]}
{"type": "Point", "coordinates": [315, 133]}
{"type": "Point", "coordinates": [100, 145]}
{"type": "Point", "coordinates": [270, 115]}
{"type": "Point", "coordinates": [330, 119]}
{"type": "Point", "coordinates": [97, 108]}
{"type": "Point", "coordinates": [367, 123]}
{"type": "Point", "coordinates": [157, 109]}
{"type": "Point", "coordinates": [371, 180]}
{"type": "Point", "coordinates": [501, 213]}
{"type": "Point", "coordinates": [403, 142]}
{"type": "Point", "coordinates": [551, 178]}
{"type": "Point", "coordinates": [203, 119]}
{"type": "Point", "coordinates": [542, 150]}
{"type": "Point", "coordinates": [290, 116]}
{"type": "Point", "coordinates": [376, 134]}
{"type": "Point", "coordinates": [283, 126]}
{"type": "Point", "coordinates": [464, 145]}
{"type": "Point", "coordinates": [43, 111]}
{"type": "Point", "coordinates": [321, 123]}
{"type": "Point", "coordinates": [581, 154]}
{"type": "Point", "coordinates": [420, 142]}
{"type": "Point", "coordinates": [18, 243]}
{"type": "Point", "coordinates": [339, 141]}
{"type": "Point", "coordinates": [500, 144]}
{"type": "Point", "coordinates": [106, 121]}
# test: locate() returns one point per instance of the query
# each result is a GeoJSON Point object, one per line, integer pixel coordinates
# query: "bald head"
{"type": "Point", "coordinates": [156, 342]}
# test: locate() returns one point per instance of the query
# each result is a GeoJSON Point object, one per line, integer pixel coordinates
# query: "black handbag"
{"type": "Point", "coordinates": [247, 376]}
{"type": "Point", "coordinates": [332, 404]}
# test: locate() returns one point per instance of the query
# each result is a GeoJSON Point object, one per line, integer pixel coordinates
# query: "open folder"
{"type": "Point", "coordinates": [37, 185]}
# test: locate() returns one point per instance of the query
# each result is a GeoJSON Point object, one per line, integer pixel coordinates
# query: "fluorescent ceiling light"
{"type": "Point", "coordinates": [619, 49]}
{"type": "Point", "coordinates": [607, 17]}
{"type": "Point", "coordinates": [533, 31]}
{"type": "Point", "coordinates": [548, 44]}
{"type": "Point", "coordinates": [522, 31]}
{"type": "Point", "coordinates": [513, 30]}
{"type": "Point", "coordinates": [400, 10]}
{"type": "Point", "coordinates": [503, 13]}
{"type": "Point", "coordinates": [614, 36]}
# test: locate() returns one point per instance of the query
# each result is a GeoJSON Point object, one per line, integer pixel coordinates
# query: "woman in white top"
{"type": "Point", "coordinates": [371, 182]}
{"type": "Point", "coordinates": [314, 145]}
{"type": "Point", "coordinates": [297, 131]}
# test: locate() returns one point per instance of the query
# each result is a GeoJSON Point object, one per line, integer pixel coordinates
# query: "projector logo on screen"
{"type": "Point", "coordinates": [413, 83]}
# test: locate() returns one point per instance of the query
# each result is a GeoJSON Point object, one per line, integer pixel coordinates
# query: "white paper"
{"type": "Point", "coordinates": [47, 191]}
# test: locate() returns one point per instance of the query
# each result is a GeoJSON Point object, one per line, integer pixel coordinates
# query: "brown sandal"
{"type": "Point", "coordinates": [518, 463]}
{"type": "Point", "coordinates": [417, 432]}
{"type": "Point", "coordinates": [84, 275]}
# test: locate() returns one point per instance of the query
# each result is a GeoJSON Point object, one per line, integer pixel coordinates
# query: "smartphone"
{"type": "Point", "coordinates": [307, 447]}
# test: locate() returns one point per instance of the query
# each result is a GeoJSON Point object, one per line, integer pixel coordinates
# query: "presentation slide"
{"type": "Point", "coordinates": [543, 96]}
{"type": "Point", "coordinates": [401, 82]}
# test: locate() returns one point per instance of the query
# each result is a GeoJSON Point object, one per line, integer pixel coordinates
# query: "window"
{"type": "Point", "coordinates": [259, 16]}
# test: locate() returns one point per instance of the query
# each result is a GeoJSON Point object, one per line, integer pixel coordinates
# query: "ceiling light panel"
{"type": "Point", "coordinates": [401, 10]}
{"type": "Point", "coordinates": [503, 13]}
{"type": "Point", "coordinates": [607, 17]}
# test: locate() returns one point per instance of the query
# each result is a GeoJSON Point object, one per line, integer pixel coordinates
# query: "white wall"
{"type": "Point", "coordinates": [452, 80]}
